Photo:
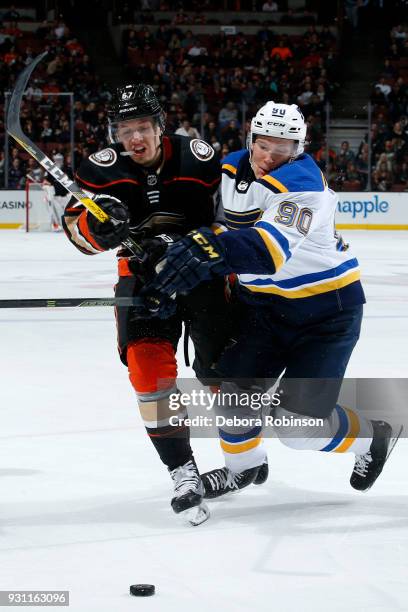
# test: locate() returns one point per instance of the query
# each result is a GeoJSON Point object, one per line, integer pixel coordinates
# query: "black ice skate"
{"type": "Point", "coordinates": [189, 492]}
{"type": "Point", "coordinates": [368, 467]}
{"type": "Point", "coordinates": [263, 474]}
{"type": "Point", "coordinates": [221, 480]}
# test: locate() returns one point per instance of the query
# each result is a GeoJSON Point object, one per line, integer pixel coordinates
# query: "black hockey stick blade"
{"type": "Point", "coordinates": [13, 126]}
{"type": "Point", "coordinates": [70, 302]}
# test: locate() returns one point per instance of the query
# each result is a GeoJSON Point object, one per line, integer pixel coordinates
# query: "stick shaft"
{"type": "Point", "coordinates": [69, 302]}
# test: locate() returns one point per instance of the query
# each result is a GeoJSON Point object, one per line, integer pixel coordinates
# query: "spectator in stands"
{"type": "Point", "coordinates": [351, 7]}
{"type": "Point", "coordinates": [382, 178]}
{"type": "Point", "coordinates": [186, 129]}
{"type": "Point", "coordinates": [12, 14]}
{"type": "Point", "coordinates": [352, 173]}
{"type": "Point", "coordinates": [34, 90]}
{"type": "Point", "coordinates": [270, 6]}
{"type": "Point", "coordinates": [362, 165]}
{"type": "Point", "coordinates": [230, 134]}
{"type": "Point", "coordinates": [228, 113]}
{"type": "Point", "coordinates": [322, 154]}
{"type": "Point", "coordinates": [403, 175]}
{"type": "Point", "coordinates": [61, 31]}
{"type": "Point", "coordinates": [305, 97]}
{"type": "Point", "coordinates": [188, 40]}
{"type": "Point", "coordinates": [16, 174]}
{"type": "Point", "coordinates": [398, 33]}
{"type": "Point", "coordinates": [345, 155]}
{"type": "Point", "coordinates": [47, 132]}
{"type": "Point", "coordinates": [34, 171]}
{"type": "Point", "coordinates": [282, 51]}
{"type": "Point", "coordinates": [383, 87]}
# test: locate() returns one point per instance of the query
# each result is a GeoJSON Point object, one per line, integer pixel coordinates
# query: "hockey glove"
{"type": "Point", "coordinates": [110, 234]}
{"type": "Point", "coordinates": [154, 249]}
{"type": "Point", "coordinates": [197, 257]}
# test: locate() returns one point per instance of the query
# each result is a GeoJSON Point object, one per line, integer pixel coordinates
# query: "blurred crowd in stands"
{"type": "Point", "coordinates": [389, 128]}
{"type": "Point", "coordinates": [210, 86]}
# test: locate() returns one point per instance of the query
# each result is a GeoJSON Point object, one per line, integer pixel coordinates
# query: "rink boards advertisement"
{"type": "Point", "coordinates": [355, 210]}
{"type": "Point", "coordinates": [372, 210]}
{"type": "Point", "coordinates": [13, 206]}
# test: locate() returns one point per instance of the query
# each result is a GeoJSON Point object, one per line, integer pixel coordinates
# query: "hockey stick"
{"type": "Point", "coordinates": [13, 127]}
{"type": "Point", "coordinates": [69, 302]}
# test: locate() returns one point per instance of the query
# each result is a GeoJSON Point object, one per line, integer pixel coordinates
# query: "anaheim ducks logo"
{"type": "Point", "coordinates": [106, 157]}
{"type": "Point", "coordinates": [201, 150]}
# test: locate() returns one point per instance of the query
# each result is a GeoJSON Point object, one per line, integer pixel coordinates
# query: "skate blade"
{"type": "Point", "coordinates": [393, 440]}
{"type": "Point", "coordinates": [195, 516]}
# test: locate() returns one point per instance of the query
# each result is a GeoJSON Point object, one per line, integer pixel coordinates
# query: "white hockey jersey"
{"type": "Point", "coordinates": [286, 248]}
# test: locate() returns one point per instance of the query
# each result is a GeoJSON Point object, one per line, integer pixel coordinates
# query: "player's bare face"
{"type": "Point", "coordinates": [269, 152]}
{"type": "Point", "coordinates": [141, 138]}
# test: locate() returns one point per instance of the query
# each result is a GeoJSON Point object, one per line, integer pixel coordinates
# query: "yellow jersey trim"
{"type": "Point", "coordinates": [230, 168]}
{"type": "Point", "coordinates": [273, 181]}
{"type": "Point", "coordinates": [310, 291]}
{"type": "Point", "coordinates": [274, 251]}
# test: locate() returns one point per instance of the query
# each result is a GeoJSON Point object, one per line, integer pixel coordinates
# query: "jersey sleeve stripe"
{"type": "Point", "coordinates": [229, 169]}
{"type": "Point", "coordinates": [273, 248]}
{"type": "Point", "coordinates": [274, 183]}
{"type": "Point", "coordinates": [193, 180]}
{"type": "Point", "coordinates": [89, 184]}
{"type": "Point", "coordinates": [313, 277]}
{"type": "Point", "coordinates": [251, 215]}
{"type": "Point", "coordinates": [218, 228]}
{"type": "Point", "coordinates": [324, 180]}
{"type": "Point", "coordinates": [279, 237]}
{"type": "Point", "coordinates": [309, 291]}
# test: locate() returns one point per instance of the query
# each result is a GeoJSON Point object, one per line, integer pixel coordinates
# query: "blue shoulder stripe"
{"type": "Point", "coordinates": [308, 278]}
{"type": "Point", "coordinates": [302, 174]}
{"type": "Point", "coordinates": [279, 237]}
{"type": "Point", "coordinates": [233, 159]}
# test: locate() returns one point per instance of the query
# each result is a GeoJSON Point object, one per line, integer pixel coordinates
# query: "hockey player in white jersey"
{"type": "Point", "coordinates": [302, 297]}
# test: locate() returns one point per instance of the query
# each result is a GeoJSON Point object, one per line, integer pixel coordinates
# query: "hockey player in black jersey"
{"type": "Point", "coordinates": [155, 188]}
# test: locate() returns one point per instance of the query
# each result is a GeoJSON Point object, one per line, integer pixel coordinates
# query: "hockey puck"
{"type": "Point", "coordinates": [142, 590]}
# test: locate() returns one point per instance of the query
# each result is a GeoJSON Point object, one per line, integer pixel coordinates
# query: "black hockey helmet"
{"type": "Point", "coordinates": [134, 101]}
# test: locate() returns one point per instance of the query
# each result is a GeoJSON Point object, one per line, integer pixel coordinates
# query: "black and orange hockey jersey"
{"type": "Point", "coordinates": [174, 198]}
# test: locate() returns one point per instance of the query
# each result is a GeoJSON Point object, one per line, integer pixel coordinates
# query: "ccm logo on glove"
{"type": "Point", "coordinates": [206, 246]}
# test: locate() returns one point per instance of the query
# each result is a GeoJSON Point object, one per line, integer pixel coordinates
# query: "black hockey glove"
{"type": "Point", "coordinates": [197, 257]}
{"type": "Point", "coordinates": [110, 234]}
{"type": "Point", "coordinates": [154, 249]}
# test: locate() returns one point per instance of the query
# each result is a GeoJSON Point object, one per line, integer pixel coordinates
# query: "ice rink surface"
{"type": "Point", "coordinates": [85, 500]}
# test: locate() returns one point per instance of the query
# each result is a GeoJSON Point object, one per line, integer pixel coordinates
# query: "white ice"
{"type": "Point", "coordinates": [85, 501]}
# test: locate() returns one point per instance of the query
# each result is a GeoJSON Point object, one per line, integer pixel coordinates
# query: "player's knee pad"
{"type": "Point", "coordinates": [152, 368]}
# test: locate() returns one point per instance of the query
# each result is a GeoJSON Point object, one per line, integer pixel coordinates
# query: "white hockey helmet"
{"type": "Point", "coordinates": [282, 121]}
